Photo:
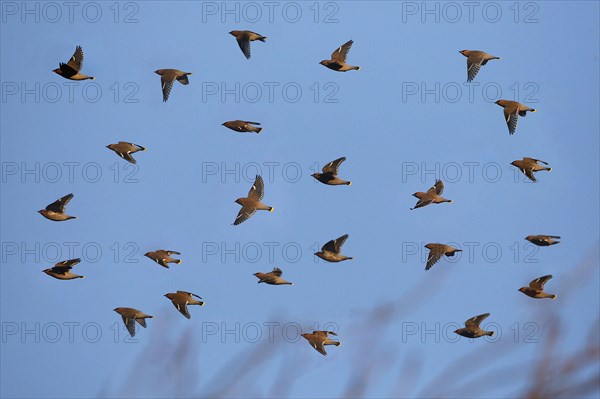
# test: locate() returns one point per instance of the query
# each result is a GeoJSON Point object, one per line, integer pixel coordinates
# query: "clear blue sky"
{"type": "Point", "coordinates": [179, 197]}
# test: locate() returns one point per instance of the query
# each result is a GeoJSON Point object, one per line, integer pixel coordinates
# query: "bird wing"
{"type": "Point", "coordinates": [244, 214]}
{"type": "Point", "coordinates": [76, 61]}
{"type": "Point", "coordinates": [340, 54]}
{"type": "Point", "coordinates": [534, 160]}
{"type": "Point", "coordinates": [257, 192]}
{"type": "Point", "coordinates": [166, 82]}
{"type": "Point", "coordinates": [333, 166]}
{"type": "Point", "coordinates": [529, 173]}
{"type": "Point", "coordinates": [511, 121]}
{"type": "Point", "coordinates": [68, 263]}
{"type": "Point", "coordinates": [439, 187]}
{"type": "Point", "coordinates": [339, 242]}
{"type": "Point", "coordinates": [127, 156]}
{"type": "Point", "coordinates": [183, 79]}
{"type": "Point", "coordinates": [474, 322]}
{"type": "Point", "coordinates": [473, 67]}
{"type": "Point", "coordinates": [172, 253]}
{"type": "Point", "coordinates": [59, 205]}
{"type": "Point", "coordinates": [538, 283]}
{"type": "Point", "coordinates": [182, 307]}
{"type": "Point", "coordinates": [435, 254]}
{"type": "Point", "coordinates": [276, 272]}
{"type": "Point", "coordinates": [244, 43]}
{"type": "Point", "coordinates": [130, 324]}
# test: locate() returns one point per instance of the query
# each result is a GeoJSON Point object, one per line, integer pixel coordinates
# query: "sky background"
{"type": "Point", "coordinates": [180, 195]}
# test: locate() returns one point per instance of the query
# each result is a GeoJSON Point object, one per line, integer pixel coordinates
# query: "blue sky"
{"type": "Point", "coordinates": [180, 195]}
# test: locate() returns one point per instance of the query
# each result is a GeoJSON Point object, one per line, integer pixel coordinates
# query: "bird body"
{"type": "Point", "coordinates": [536, 288]}
{"type": "Point", "coordinates": [543, 241]}
{"type": "Point", "coordinates": [475, 60]}
{"type": "Point", "coordinates": [71, 70]}
{"type": "Point", "coordinates": [512, 111]}
{"type": "Point", "coordinates": [244, 37]}
{"type": "Point", "coordinates": [243, 126]}
{"type": "Point", "coordinates": [272, 278]}
{"type": "Point", "coordinates": [529, 165]}
{"type": "Point", "coordinates": [318, 340]}
{"type": "Point", "coordinates": [329, 175]}
{"type": "Point", "coordinates": [163, 257]}
{"type": "Point", "coordinates": [62, 270]}
{"type": "Point", "coordinates": [181, 300]}
{"type": "Point", "coordinates": [168, 76]}
{"type": "Point", "coordinates": [472, 329]}
{"type": "Point", "coordinates": [338, 59]}
{"type": "Point", "coordinates": [56, 210]}
{"type": "Point", "coordinates": [331, 250]}
{"type": "Point", "coordinates": [125, 149]}
{"type": "Point", "coordinates": [252, 203]}
{"type": "Point", "coordinates": [432, 196]}
{"type": "Point", "coordinates": [130, 316]}
{"type": "Point", "coordinates": [436, 251]}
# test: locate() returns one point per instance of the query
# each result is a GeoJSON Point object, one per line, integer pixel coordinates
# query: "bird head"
{"type": "Point", "coordinates": [522, 289]}
{"type": "Point", "coordinates": [500, 103]}
{"type": "Point", "coordinates": [233, 32]}
{"type": "Point", "coordinates": [57, 70]}
{"type": "Point", "coordinates": [41, 211]}
{"type": "Point", "coordinates": [464, 52]}
{"type": "Point", "coordinates": [513, 163]}
{"type": "Point", "coordinates": [158, 71]}
{"type": "Point", "coordinates": [147, 254]}
{"type": "Point", "coordinates": [239, 201]}
{"type": "Point", "coordinates": [47, 271]}
{"type": "Point", "coordinates": [305, 335]}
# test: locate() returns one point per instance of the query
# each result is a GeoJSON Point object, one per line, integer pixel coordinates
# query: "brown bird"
{"type": "Point", "coordinates": [529, 165]}
{"type": "Point", "coordinates": [244, 37]}
{"type": "Point", "coordinates": [163, 257]}
{"type": "Point", "coordinates": [543, 241]}
{"type": "Point", "coordinates": [130, 316]}
{"type": "Point", "coordinates": [181, 299]}
{"type": "Point", "coordinates": [125, 149]}
{"type": "Point", "coordinates": [475, 59]}
{"type": "Point", "coordinates": [338, 59]}
{"type": "Point", "coordinates": [329, 175]}
{"type": "Point", "coordinates": [472, 330]}
{"type": "Point", "coordinates": [243, 126]}
{"type": "Point", "coordinates": [331, 250]}
{"type": "Point", "coordinates": [56, 210]}
{"type": "Point", "coordinates": [536, 288]}
{"type": "Point", "coordinates": [62, 270]}
{"type": "Point", "coordinates": [432, 196]}
{"type": "Point", "coordinates": [71, 70]}
{"type": "Point", "coordinates": [512, 111]}
{"type": "Point", "coordinates": [318, 340]}
{"type": "Point", "coordinates": [252, 203]}
{"type": "Point", "coordinates": [436, 251]}
{"type": "Point", "coordinates": [273, 277]}
{"type": "Point", "coordinates": [168, 76]}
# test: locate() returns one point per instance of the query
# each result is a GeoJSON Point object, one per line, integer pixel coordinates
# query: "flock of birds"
{"type": "Point", "coordinates": [331, 251]}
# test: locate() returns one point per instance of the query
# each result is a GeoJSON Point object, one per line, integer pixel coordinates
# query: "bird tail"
{"type": "Point", "coordinates": [349, 183]}
{"type": "Point", "coordinates": [553, 296]}
{"type": "Point", "coordinates": [271, 209]}
{"type": "Point", "coordinates": [262, 38]}
{"type": "Point", "coordinates": [356, 67]}
{"type": "Point", "coordinates": [490, 333]}
{"type": "Point", "coordinates": [258, 129]}
{"type": "Point", "coordinates": [548, 169]}
{"type": "Point", "coordinates": [178, 261]}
